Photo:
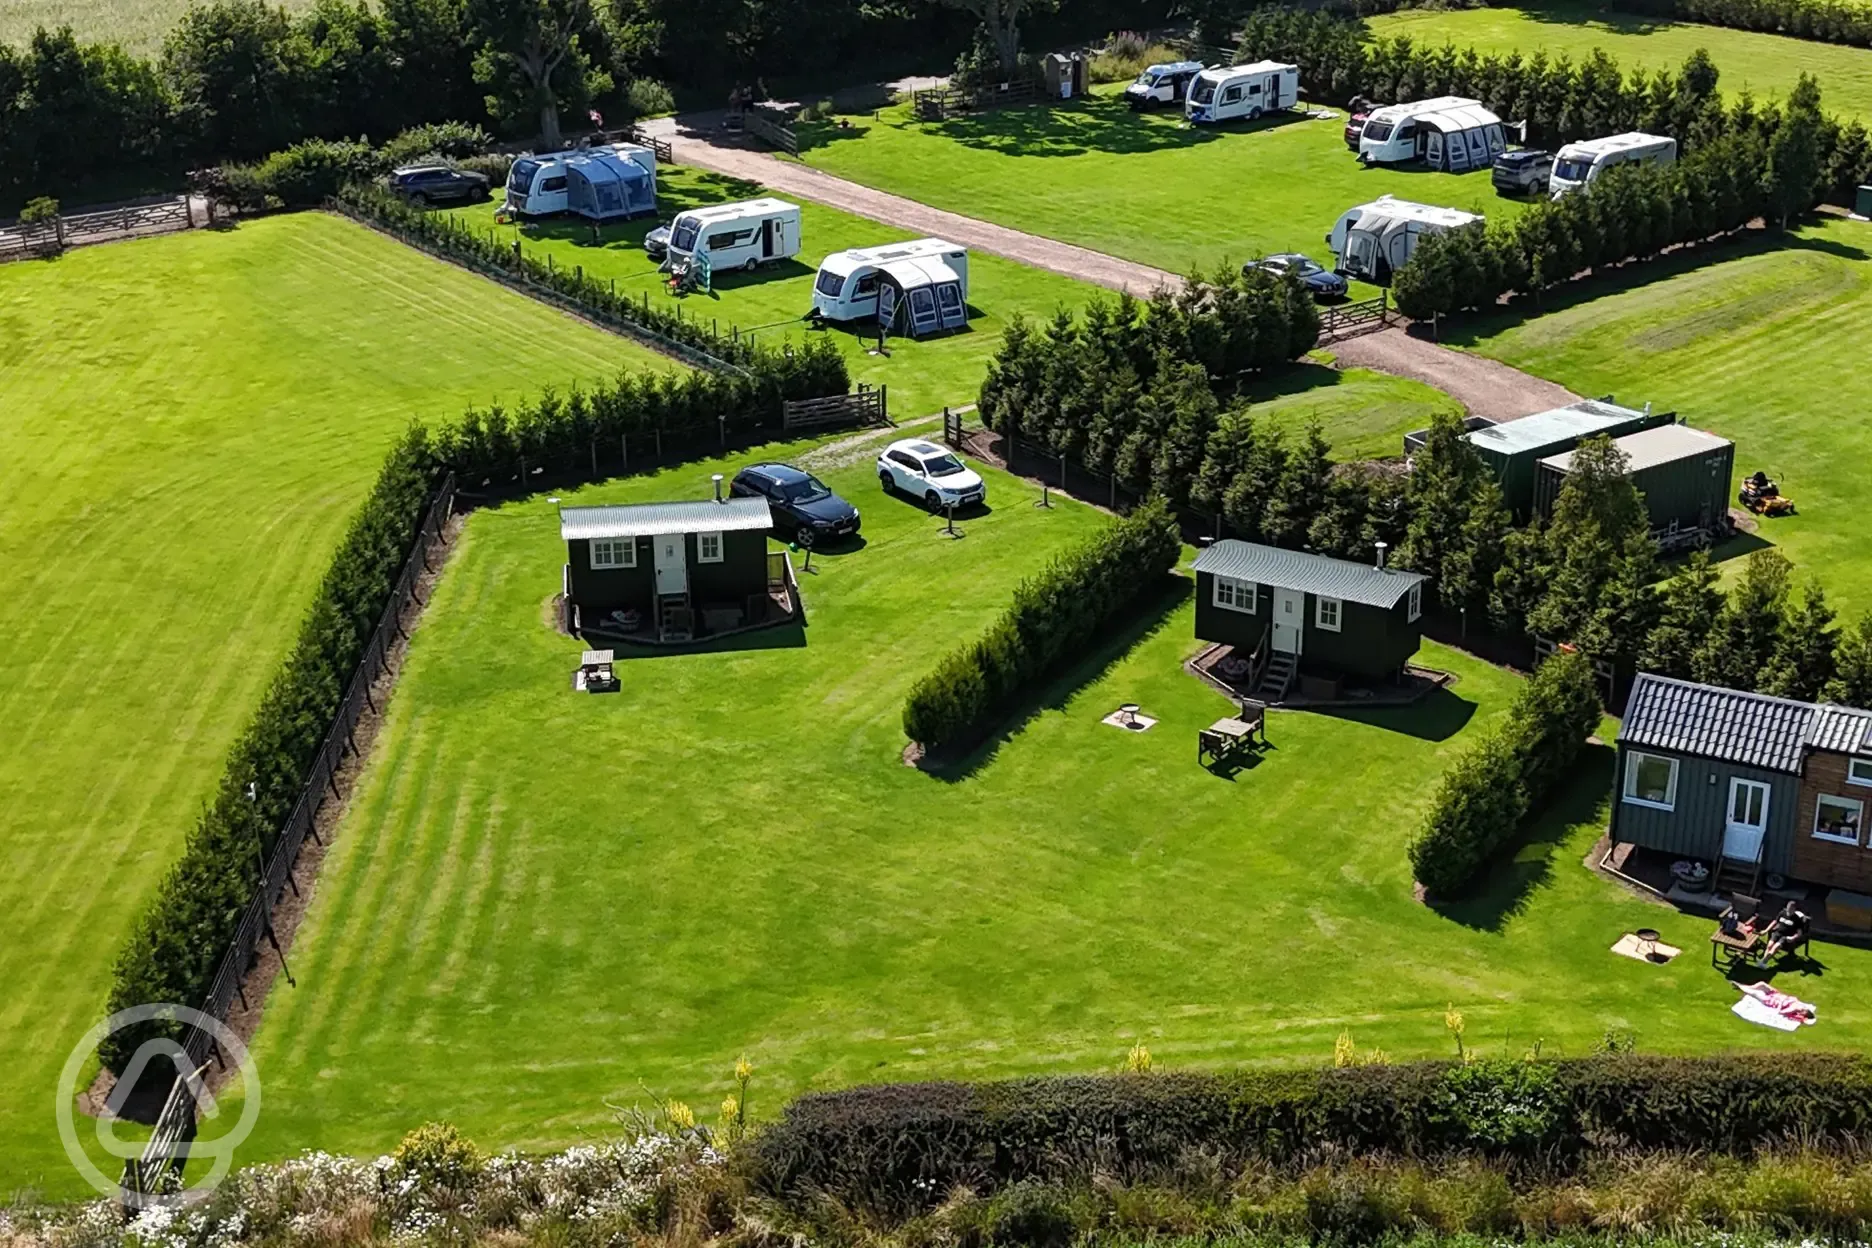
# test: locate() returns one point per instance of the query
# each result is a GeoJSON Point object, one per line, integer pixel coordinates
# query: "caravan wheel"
{"type": "Point", "coordinates": [1254, 114]}
{"type": "Point", "coordinates": [750, 266]}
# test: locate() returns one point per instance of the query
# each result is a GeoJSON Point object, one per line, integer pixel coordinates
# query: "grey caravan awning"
{"type": "Point", "coordinates": [920, 296]}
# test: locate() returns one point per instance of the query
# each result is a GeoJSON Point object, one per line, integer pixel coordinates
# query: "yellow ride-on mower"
{"type": "Point", "coordinates": [1762, 496]}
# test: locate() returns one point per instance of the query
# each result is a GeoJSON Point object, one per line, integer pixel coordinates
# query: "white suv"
{"type": "Point", "coordinates": [932, 473]}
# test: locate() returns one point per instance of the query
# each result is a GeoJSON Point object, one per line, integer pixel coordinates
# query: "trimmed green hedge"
{"type": "Point", "coordinates": [1054, 615]}
{"type": "Point", "coordinates": [1482, 800]}
{"type": "Point", "coordinates": [900, 1148]}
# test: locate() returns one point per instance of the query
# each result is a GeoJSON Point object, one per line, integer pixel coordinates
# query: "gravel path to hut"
{"type": "Point", "coordinates": [1486, 387]}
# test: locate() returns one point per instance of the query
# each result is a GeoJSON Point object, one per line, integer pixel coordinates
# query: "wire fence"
{"type": "Point", "coordinates": [175, 1126]}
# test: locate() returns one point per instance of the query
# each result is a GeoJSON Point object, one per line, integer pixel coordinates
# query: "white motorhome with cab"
{"type": "Point", "coordinates": [1578, 164]}
{"type": "Point", "coordinates": [1161, 85]}
{"type": "Point", "coordinates": [539, 186]}
{"type": "Point", "coordinates": [1449, 133]}
{"type": "Point", "coordinates": [1242, 91]}
{"type": "Point", "coordinates": [1372, 241]}
{"type": "Point", "coordinates": [742, 235]}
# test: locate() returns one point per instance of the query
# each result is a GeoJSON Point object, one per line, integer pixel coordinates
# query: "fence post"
{"type": "Point", "coordinates": [1114, 492]}
{"type": "Point", "coordinates": [722, 423]}
{"type": "Point", "coordinates": [624, 450]}
{"type": "Point", "coordinates": [594, 450]}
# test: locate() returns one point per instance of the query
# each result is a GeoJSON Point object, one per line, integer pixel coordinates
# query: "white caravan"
{"type": "Point", "coordinates": [1162, 84]}
{"type": "Point", "coordinates": [913, 288]}
{"type": "Point", "coordinates": [1577, 164]}
{"type": "Point", "coordinates": [742, 235]}
{"type": "Point", "coordinates": [1242, 91]}
{"type": "Point", "coordinates": [539, 186]}
{"type": "Point", "coordinates": [1449, 132]}
{"type": "Point", "coordinates": [1374, 240]}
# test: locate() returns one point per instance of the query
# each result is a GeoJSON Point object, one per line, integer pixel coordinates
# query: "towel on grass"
{"type": "Point", "coordinates": [1770, 1007]}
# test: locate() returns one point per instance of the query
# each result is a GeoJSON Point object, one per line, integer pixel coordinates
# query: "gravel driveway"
{"type": "Point", "coordinates": [1486, 387]}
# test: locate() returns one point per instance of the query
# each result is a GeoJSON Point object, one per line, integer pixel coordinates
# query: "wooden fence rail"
{"type": "Point", "coordinates": [175, 1126]}
{"type": "Point", "coordinates": [1342, 320]}
{"type": "Point", "coordinates": [864, 408]}
{"type": "Point", "coordinates": [771, 129]}
{"type": "Point", "coordinates": [942, 103]}
{"type": "Point", "coordinates": [106, 225]}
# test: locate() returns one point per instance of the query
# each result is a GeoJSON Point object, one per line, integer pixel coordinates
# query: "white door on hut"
{"type": "Point", "coordinates": [672, 565]}
{"type": "Point", "coordinates": [1289, 616]}
{"type": "Point", "coordinates": [1748, 820]}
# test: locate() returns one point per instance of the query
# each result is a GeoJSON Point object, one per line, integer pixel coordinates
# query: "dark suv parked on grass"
{"type": "Point", "coordinates": [803, 508]}
{"type": "Point", "coordinates": [1522, 173]}
{"type": "Point", "coordinates": [439, 184]}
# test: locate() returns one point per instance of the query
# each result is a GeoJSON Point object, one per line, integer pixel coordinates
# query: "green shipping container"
{"type": "Point", "coordinates": [1683, 473]}
{"type": "Point", "coordinates": [1864, 202]}
{"type": "Point", "coordinates": [1513, 448]}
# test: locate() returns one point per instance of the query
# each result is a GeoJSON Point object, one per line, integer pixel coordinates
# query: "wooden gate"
{"type": "Point", "coordinates": [1345, 319]}
{"type": "Point", "coordinates": [862, 407]}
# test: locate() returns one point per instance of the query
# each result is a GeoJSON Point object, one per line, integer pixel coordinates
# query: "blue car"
{"type": "Point", "coordinates": [1323, 283]}
{"type": "Point", "coordinates": [804, 509]}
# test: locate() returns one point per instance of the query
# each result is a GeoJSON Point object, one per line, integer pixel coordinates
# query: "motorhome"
{"type": "Point", "coordinates": [540, 186]}
{"type": "Point", "coordinates": [913, 288]}
{"type": "Point", "coordinates": [742, 235]}
{"type": "Point", "coordinates": [1448, 133]}
{"type": "Point", "coordinates": [1226, 93]}
{"type": "Point", "coordinates": [1161, 85]}
{"type": "Point", "coordinates": [1372, 241]}
{"type": "Point", "coordinates": [1578, 164]}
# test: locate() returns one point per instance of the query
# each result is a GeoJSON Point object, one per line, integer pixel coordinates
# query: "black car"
{"type": "Point", "coordinates": [439, 184]}
{"type": "Point", "coordinates": [1522, 173]}
{"type": "Point", "coordinates": [803, 508]}
{"type": "Point", "coordinates": [1323, 283]}
{"type": "Point", "coordinates": [656, 242]}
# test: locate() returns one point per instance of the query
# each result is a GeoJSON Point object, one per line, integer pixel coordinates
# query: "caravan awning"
{"type": "Point", "coordinates": [919, 271]}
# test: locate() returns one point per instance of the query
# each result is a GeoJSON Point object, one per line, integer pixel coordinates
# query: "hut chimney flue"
{"type": "Point", "coordinates": [716, 478]}
{"type": "Point", "coordinates": [1381, 550]}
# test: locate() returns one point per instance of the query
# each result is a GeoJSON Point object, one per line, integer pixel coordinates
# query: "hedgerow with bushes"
{"type": "Point", "coordinates": [1560, 100]}
{"type": "Point", "coordinates": [1824, 21]}
{"type": "Point", "coordinates": [312, 171]}
{"type": "Point", "coordinates": [1483, 800]}
{"type": "Point", "coordinates": [1055, 615]}
{"type": "Point", "coordinates": [177, 942]}
{"type": "Point", "coordinates": [1775, 170]}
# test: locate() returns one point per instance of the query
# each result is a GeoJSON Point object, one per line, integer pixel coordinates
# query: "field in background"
{"type": "Point", "coordinates": [539, 908]}
{"type": "Point", "coordinates": [188, 423]}
{"type": "Point", "coordinates": [140, 25]}
{"type": "Point", "coordinates": [1768, 65]}
{"type": "Point", "coordinates": [1764, 345]}
{"type": "Point", "coordinates": [1143, 186]}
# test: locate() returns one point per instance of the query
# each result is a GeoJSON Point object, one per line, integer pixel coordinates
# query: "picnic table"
{"type": "Point", "coordinates": [1732, 947]}
{"type": "Point", "coordinates": [1225, 736]}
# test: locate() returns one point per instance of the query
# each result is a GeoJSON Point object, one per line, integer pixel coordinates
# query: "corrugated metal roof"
{"type": "Point", "coordinates": [1752, 729]}
{"type": "Point", "coordinates": [1649, 448]}
{"type": "Point", "coordinates": [1314, 574]}
{"type": "Point", "coordinates": [1550, 429]}
{"type": "Point", "coordinates": [1840, 728]}
{"type": "Point", "coordinates": [703, 515]}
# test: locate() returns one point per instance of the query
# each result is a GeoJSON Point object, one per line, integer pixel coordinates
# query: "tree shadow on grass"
{"type": "Point", "coordinates": [1437, 716]}
{"type": "Point", "coordinates": [1096, 124]}
{"type": "Point", "coordinates": [1524, 865]}
{"type": "Point", "coordinates": [1143, 623]}
{"type": "Point", "coordinates": [1472, 329]}
{"type": "Point", "coordinates": [1595, 17]}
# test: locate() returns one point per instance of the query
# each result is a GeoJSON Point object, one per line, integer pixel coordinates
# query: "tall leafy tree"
{"type": "Point", "coordinates": [530, 60]}
{"type": "Point", "coordinates": [1000, 24]}
{"type": "Point", "coordinates": [1796, 162]}
{"type": "Point", "coordinates": [1301, 488]}
{"type": "Point", "coordinates": [1852, 676]}
{"type": "Point", "coordinates": [1596, 548]}
{"type": "Point", "coordinates": [1445, 480]}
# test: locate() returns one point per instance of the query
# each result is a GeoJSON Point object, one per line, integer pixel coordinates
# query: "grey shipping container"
{"type": "Point", "coordinates": [1683, 473]}
{"type": "Point", "coordinates": [1513, 448]}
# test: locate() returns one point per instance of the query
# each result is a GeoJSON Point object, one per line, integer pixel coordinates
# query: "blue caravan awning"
{"type": "Point", "coordinates": [604, 186]}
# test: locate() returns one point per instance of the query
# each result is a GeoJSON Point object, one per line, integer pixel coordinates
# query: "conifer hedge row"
{"type": "Point", "coordinates": [900, 1149]}
{"type": "Point", "coordinates": [177, 943]}
{"type": "Point", "coordinates": [1054, 616]}
{"type": "Point", "coordinates": [1823, 21]}
{"type": "Point", "coordinates": [1481, 801]}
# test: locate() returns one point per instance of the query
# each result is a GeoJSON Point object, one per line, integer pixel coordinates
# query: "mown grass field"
{"type": "Point", "coordinates": [140, 25]}
{"type": "Point", "coordinates": [1764, 344]}
{"type": "Point", "coordinates": [187, 424]}
{"type": "Point", "coordinates": [1768, 65]}
{"type": "Point", "coordinates": [544, 904]}
{"type": "Point", "coordinates": [1143, 186]}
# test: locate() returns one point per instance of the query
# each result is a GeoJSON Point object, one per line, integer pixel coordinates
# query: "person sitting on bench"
{"type": "Point", "coordinates": [1788, 931]}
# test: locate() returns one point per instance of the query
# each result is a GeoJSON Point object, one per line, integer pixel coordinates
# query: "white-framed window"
{"type": "Point", "coordinates": [614, 552]}
{"type": "Point", "coordinates": [1414, 601]}
{"type": "Point", "coordinates": [1326, 613]}
{"type": "Point", "coordinates": [708, 548]}
{"type": "Point", "coordinates": [1235, 595]}
{"type": "Point", "coordinates": [1859, 771]}
{"type": "Point", "coordinates": [1837, 819]}
{"type": "Point", "coordinates": [1651, 780]}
